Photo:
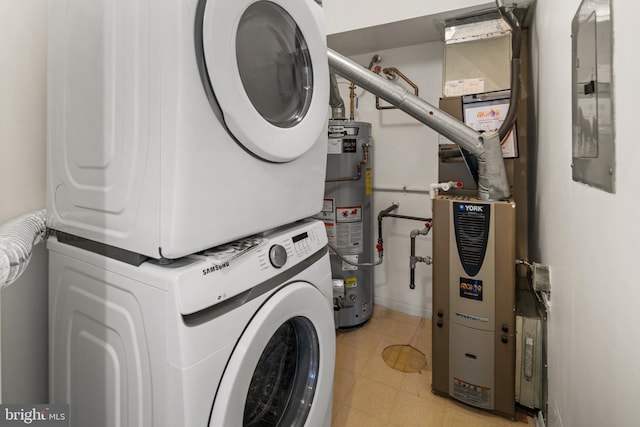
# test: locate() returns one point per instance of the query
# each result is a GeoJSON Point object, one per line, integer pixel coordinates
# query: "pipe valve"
{"type": "Point", "coordinates": [444, 186]}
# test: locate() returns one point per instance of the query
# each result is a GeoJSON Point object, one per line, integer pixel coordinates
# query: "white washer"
{"type": "Point", "coordinates": [174, 125]}
{"type": "Point", "coordinates": [199, 342]}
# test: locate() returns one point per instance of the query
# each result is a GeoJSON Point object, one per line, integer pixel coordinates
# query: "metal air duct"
{"type": "Point", "coordinates": [492, 177]}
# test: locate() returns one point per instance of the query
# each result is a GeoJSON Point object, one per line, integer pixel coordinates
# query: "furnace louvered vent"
{"type": "Point", "coordinates": [471, 223]}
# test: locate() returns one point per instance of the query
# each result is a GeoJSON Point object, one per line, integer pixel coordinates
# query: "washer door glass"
{"type": "Point", "coordinates": [284, 382]}
{"type": "Point", "coordinates": [274, 64]}
{"type": "Point", "coordinates": [280, 372]}
{"type": "Point", "coordinates": [265, 63]}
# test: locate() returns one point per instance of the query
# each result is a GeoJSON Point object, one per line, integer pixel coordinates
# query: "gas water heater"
{"type": "Point", "coordinates": [474, 345]}
{"type": "Point", "coordinates": [347, 216]}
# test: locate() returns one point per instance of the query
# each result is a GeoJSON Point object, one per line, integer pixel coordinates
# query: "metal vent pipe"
{"type": "Point", "coordinates": [492, 176]}
{"type": "Point", "coordinates": [513, 16]}
{"type": "Point", "coordinates": [335, 100]}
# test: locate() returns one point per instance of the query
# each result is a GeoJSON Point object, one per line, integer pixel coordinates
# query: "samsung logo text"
{"type": "Point", "coordinates": [211, 269]}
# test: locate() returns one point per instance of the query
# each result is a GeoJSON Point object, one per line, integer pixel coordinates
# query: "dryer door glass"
{"type": "Point", "coordinates": [266, 70]}
{"type": "Point", "coordinates": [274, 64]}
{"type": "Point", "coordinates": [284, 381]}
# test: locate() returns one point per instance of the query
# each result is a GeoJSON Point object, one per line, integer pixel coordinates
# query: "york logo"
{"type": "Point", "coordinates": [472, 208]}
{"type": "Point", "coordinates": [213, 268]}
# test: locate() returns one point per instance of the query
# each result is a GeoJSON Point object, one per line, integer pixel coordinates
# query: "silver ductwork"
{"type": "Point", "coordinates": [17, 239]}
{"type": "Point", "coordinates": [513, 16]}
{"type": "Point", "coordinates": [492, 176]}
{"type": "Point", "coordinates": [335, 100]}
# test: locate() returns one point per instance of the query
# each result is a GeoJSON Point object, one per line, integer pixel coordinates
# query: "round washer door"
{"type": "Point", "coordinates": [267, 64]}
{"type": "Point", "coordinates": [281, 371]}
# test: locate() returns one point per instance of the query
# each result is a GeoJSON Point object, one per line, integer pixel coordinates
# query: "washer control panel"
{"type": "Point", "coordinates": [287, 249]}
{"type": "Point", "coordinates": [302, 242]}
{"type": "Point", "coordinates": [229, 270]}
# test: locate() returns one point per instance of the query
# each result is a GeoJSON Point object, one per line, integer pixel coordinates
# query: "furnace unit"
{"type": "Point", "coordinates": [474, 345]}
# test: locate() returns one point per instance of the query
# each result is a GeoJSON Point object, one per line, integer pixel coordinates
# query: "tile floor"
{"type": "Point", "coordinates": [368, 393]}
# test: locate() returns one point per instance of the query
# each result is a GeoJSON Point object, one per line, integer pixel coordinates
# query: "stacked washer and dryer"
{"type": "Point", "coordinates": [186, 146]}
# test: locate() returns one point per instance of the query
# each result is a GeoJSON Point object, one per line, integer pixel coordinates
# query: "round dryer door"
{"type": "Point", "coordinates": [281, 371]}
{"type": "Point", "coordinates": [267, 65]}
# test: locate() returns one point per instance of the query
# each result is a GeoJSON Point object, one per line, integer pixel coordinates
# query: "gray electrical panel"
{"type": "Point", "coordinates": [592, 85]}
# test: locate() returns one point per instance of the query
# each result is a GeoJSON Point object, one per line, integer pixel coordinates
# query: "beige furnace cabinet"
{"type": "Point", "coordinates": [474, 345]}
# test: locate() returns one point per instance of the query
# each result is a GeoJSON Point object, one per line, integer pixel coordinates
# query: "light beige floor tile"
{"type": "Point", "coordinates": [459, 414]}
{"type": "Point", "coordinates": [406, 318]}
{"type": "Point", "coordinates": [417, 384]}
{"type": "Point", "coordinates": [409, 410]}
{"type": "Point", "coordinates": [352, 359]}
{"type": "Point", "coordinates": [377, 369]}
{"type": "Point", "coordinates": [422, 338]}
{"type": "Point", "coordinates": [361, 338]}
{"type": "Point", "coordinates": [352, 417]}
{"type": "Point", "coordinates": [336, 408]}
{"type": "Point", "coordinates": [381, 312]}
{"type": "Point", "coordinates": [376, 325]}
{"type": "Point", "coordinates": [373, 397]}
{"type": "Point", "coordinates": [343, 382]}
{"type": "Point", "coordinates": [404, 332]}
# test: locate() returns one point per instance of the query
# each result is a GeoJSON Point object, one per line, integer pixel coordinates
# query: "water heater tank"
{"type": "Point", "coordinates": [347, 216]}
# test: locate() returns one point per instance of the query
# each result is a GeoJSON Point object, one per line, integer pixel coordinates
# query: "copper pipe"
{"type": "Point", "coordinates": [364, 161]}
{"type": "Point", "coordinates": [375, 59]}
{"type": "Point", "coordinates": [394, 72]}
{"type": "Point", "coordinates": [352, 95]}
{"type": "Point", "coordinates": [352, 88]}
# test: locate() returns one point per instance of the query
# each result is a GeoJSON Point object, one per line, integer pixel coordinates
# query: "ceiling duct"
{"type": "Point", "coordinates": [492, 178]}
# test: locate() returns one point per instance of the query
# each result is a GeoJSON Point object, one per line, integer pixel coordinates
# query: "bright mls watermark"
{"type": "Point", "coordinates": [34, 415]}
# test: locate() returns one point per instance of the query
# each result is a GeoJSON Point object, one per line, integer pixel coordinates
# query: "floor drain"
{"type": "Point", "coordinates": [404, 358]}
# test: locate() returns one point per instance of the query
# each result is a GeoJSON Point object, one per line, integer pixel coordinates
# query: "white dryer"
{"type": "Point", "coordinates": [201, 342]}
{"type": "Point", "coordinates": [178, 125]}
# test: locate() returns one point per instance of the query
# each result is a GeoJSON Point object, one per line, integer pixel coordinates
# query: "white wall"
{"type": "Point", "coordinates": [355, 14]}
{"type": "Point", "coordinates": [588, 237]}
{"type": "Point", "coordinates": [404, 153]}
{"type": "Point", "coordinates": [23, 312]}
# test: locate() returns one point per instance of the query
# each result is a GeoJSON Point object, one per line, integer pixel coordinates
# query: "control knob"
{"type": "Point", "coordinates": [278, 256]}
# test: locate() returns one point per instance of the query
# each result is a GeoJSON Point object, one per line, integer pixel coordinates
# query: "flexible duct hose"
{"type": "Point", "coordinates": [513, 17]}
{"type": "Point", "coordinates": [18, 236]}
